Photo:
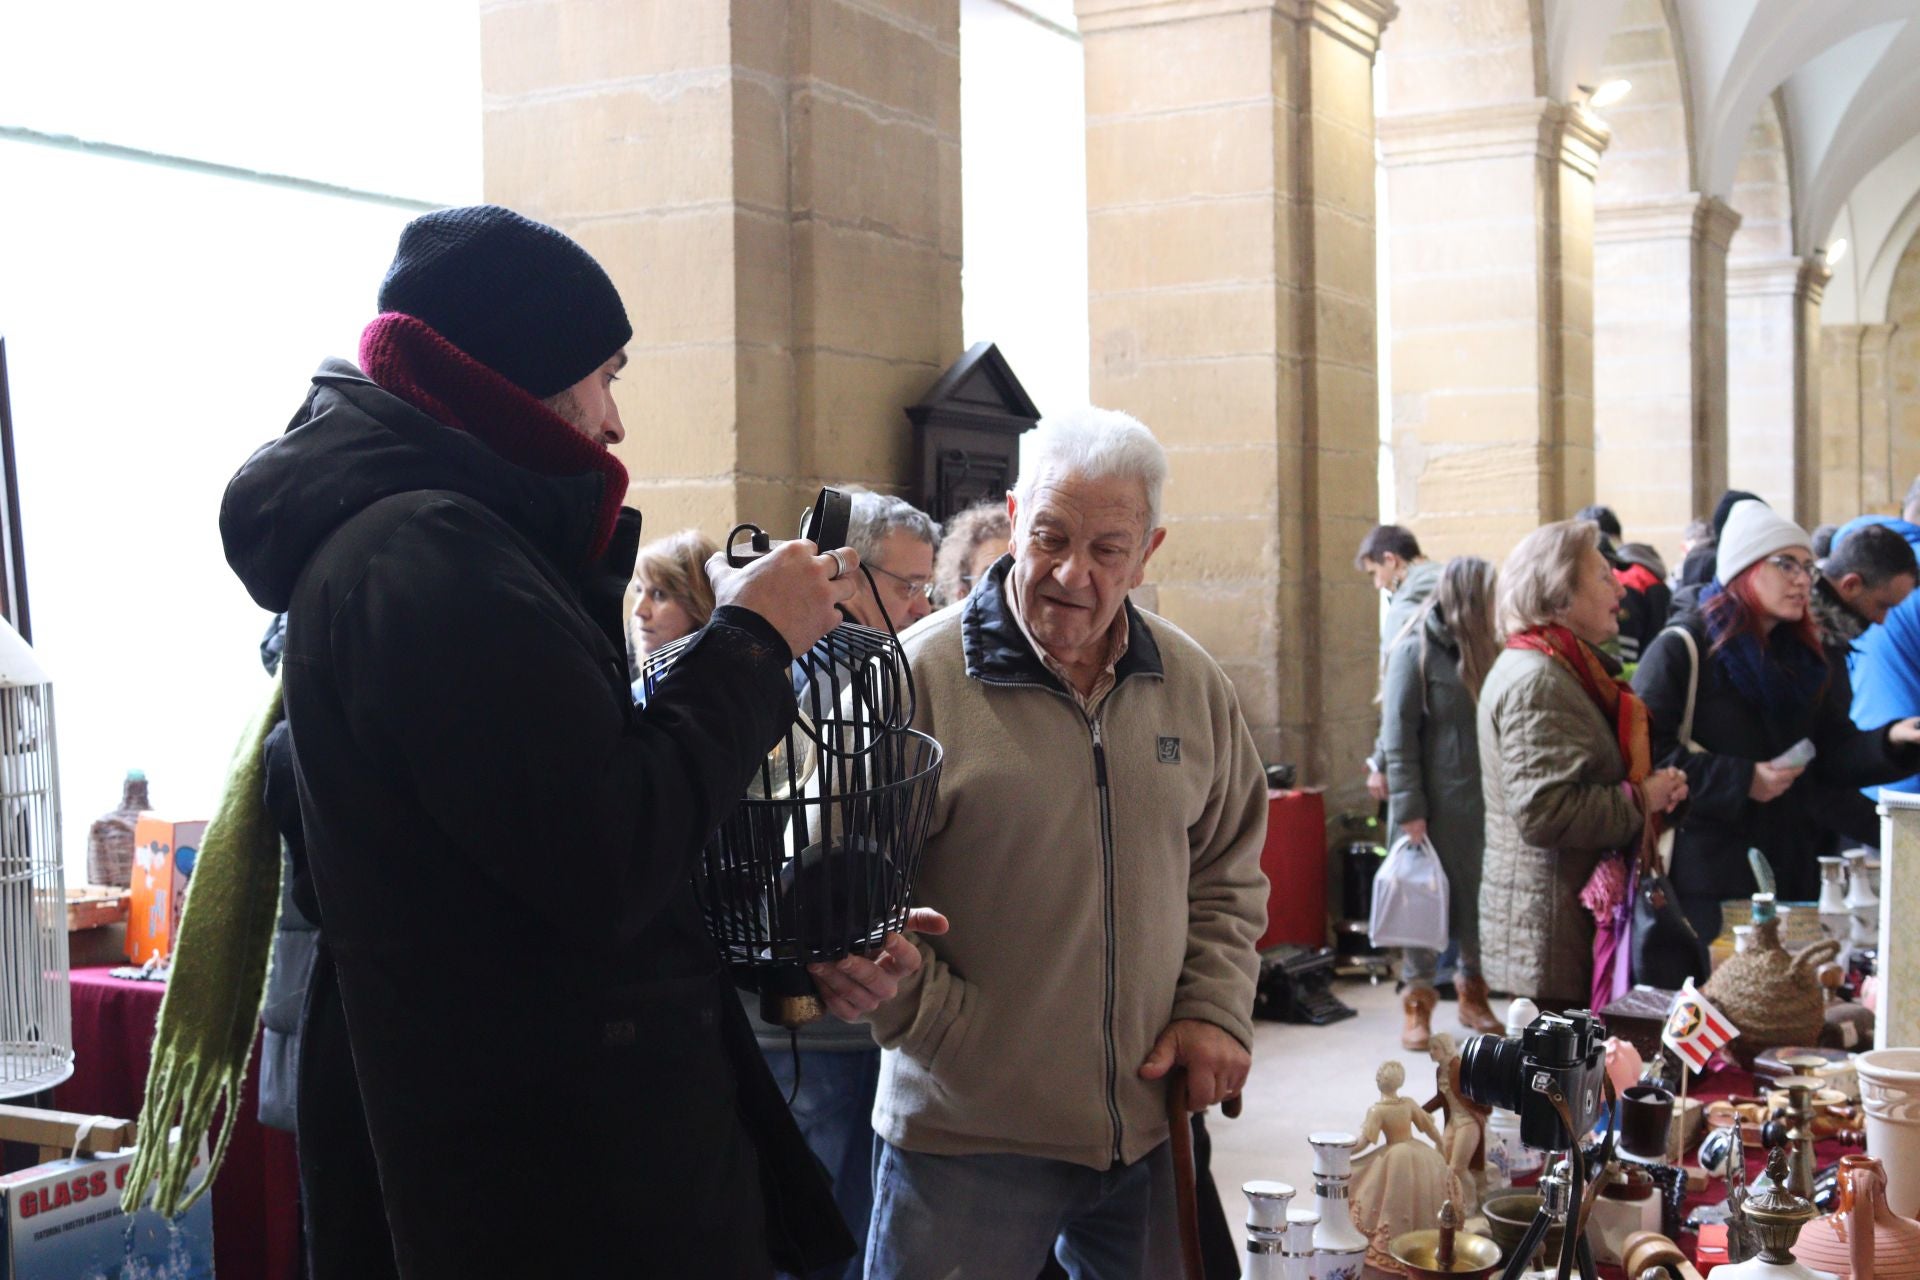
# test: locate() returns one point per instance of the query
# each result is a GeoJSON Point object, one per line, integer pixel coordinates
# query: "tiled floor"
{"type": "Point", "coordinates": [1311, 1078]}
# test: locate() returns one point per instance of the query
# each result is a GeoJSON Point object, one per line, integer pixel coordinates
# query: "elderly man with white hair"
{"type": "Point", "coordinates": [1096, 845]}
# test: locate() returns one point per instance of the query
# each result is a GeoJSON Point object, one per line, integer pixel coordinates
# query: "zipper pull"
{"type": "Point", "coordinates": [1099, 755]}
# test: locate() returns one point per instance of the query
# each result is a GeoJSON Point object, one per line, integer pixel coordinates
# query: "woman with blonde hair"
{"type": "Point", "coordinates": [1565, 766]}
{"type": "Point", "coordinates": [671, 594]}
{"type": "Point", "coordinates": [1428, 737]}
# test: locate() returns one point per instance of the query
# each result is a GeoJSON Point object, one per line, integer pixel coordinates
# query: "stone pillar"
{"type": "Point", "coordinates": [1861, 471]}
{"type": "Point", "coordinates": [1841, 446]}
{"type": "Point", "coordinates": [1660, 362]}
{"type": "Point", "coordinates": [1231, 246]}
{"type": "Point", "coordinates": [1883, 478]}
{"type": "Point", "coordinates": [1491, 253]}
{"type": "Point", "coordinates": [1773, 325]}
{"type": "Point", "coordinates": [774, 186]}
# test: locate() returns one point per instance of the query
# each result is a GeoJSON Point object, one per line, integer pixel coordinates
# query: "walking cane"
{"type": "Point", "coordinates": [1186, 1191]}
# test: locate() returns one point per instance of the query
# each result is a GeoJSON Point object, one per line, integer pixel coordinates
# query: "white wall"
{"type": "Point", "coordinates": [1024, 192]}
{"type": "Point", "coordinates": [161, 322]}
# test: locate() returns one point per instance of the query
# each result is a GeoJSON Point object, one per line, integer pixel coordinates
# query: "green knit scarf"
{"type": "Point", "coordinates": [205, 1034]}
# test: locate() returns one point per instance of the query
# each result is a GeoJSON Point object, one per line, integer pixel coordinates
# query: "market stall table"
{"type": "Point", "coordinates": [256, 1197]}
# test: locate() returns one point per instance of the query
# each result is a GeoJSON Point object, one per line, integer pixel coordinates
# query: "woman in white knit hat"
{"type": "Point", "coordinates": [1765, 737]}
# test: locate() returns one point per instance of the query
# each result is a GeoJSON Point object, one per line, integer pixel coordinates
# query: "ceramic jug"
{"type": "Point", "coordinates": [1772, 997]}
{"type": "Point", "coordinates": [1864, 1239]}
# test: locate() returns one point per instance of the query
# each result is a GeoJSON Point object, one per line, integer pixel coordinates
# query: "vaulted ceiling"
{"type": "Point", "coordinates": [1845, 76]}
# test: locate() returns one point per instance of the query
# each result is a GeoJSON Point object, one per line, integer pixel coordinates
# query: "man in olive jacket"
{"type": "Point", "coordinates": [1096, 842]}
{"type": "Point", "coordinates": [521, 1054]}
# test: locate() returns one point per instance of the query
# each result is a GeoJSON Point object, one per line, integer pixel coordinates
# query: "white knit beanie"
{"type": "Point", "coordinates": [1753, 532]}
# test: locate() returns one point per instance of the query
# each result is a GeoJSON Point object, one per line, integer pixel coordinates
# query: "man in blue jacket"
{"type": "Point", "coordinates": [1886, 660]}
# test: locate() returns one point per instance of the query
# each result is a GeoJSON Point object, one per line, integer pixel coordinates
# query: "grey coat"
{"type": "Point", "coordinates": [1550, 769]}
{"type": "Point", "coordinates": [1429, 736]}
{"type": "Point", "coordinates": [1423, 578]}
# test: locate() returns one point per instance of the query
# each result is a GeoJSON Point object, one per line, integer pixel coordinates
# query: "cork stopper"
{"type": "Point", "coordinates": [1776, 1214]}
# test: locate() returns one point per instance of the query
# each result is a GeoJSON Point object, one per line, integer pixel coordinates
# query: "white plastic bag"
{"type": "Point", "coordinates": [1410, 898]}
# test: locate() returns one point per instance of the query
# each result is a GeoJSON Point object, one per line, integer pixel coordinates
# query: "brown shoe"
{"type": "Point", "coordinates": [1418, 1004]}
{"type": "Point", "coordinates": [1475, 1015]}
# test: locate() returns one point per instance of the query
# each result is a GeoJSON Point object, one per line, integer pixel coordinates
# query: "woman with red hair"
{"type": "Point", "coordinates": [1749, 663]}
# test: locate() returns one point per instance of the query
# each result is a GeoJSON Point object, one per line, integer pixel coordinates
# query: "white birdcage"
{"type": "Point", "coordinates": [36, 1020]}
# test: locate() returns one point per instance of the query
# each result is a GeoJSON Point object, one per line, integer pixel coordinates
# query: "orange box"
{"type": "Point", "coordinates": [164, 852]}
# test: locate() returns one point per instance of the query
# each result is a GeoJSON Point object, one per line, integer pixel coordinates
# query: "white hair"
{"type": "Point", "coordinates": [1095, 444]}
{"type": "Point", "coordinates": [876, 515]}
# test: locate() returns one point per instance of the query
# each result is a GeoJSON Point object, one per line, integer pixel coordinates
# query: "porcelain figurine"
{"type": "Point", "coordinates": [1406, 1181]}
{"type": "Point", "coordinates": [1466, 1125]}
{"type": "Point", "coordinates": [1864, 1239]}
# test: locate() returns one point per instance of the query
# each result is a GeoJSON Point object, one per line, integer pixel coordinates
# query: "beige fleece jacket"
{"type": "Point", "coordinates": [1084, 918]}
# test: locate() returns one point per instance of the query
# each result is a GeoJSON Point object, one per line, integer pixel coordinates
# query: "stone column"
{"type": "Point", "coordinates": [1491, 252]}
{"type": "Point", "coordinates": [1773, 326]}
{"type": "Point", "coordinates": [1859, 469]}
{"type": "Point", "coordinates": [1841, 450]}
{"type": "Point", "coordinates": [1231, 246]}
{"type": "Point", "coordinates": [1660, 362]}
{"type": "Point", "coordinates": [774, 186]}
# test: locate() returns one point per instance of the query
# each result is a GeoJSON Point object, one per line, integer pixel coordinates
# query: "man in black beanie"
{"type": "Point", "coordinates": [522, 1057]}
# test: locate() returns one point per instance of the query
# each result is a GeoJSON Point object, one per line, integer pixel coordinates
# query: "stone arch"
{"type": "Point", "coordinates": [1763, 188]}
{"type": "Point", "coordinates": [1660, 356]}
{"type": "Point", "coordinates": [1650, 155]}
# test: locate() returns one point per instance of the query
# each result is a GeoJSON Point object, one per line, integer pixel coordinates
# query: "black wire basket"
{"type": "Point", "coordinates": [817, 860]}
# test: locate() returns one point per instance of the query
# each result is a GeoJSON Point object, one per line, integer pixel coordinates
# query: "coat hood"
{"type": "Point", "coordinates": [353, 443]}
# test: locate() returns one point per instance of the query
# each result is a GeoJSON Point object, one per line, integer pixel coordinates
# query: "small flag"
{"type": "Point", "coordinates": [1695, 1028]}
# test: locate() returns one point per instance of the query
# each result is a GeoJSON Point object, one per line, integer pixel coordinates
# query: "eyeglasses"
{"type": "Point", "coordinates": [914, 587]}
{"type": "Point", "coordinates": [1794, 567]}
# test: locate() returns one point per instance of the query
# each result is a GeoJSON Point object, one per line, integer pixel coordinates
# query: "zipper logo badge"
{"type": "Point", "coordinates": [1169, 750]}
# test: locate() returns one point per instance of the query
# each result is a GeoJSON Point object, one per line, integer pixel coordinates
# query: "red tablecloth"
{"type": "Point", "coordinates": [256, 1197]}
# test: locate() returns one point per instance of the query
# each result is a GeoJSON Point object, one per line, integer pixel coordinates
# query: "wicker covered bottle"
{"type": "Point", "coordinates": [110, 838]}
{"type": "Point", "coordinates": [1773, 998]}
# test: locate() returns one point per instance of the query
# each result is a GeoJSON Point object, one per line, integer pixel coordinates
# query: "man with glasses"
{"type": "Point", "coordinates": [896, 540]}
{"type": "Point", "coordinates": [830, 1069]}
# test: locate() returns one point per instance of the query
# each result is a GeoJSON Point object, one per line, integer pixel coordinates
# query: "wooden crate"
{"type": "Point", "coordinates": [93, 906]}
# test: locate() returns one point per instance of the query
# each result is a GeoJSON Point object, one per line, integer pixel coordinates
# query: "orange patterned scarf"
{"type": "Point", "coordinates": [1615, 697]}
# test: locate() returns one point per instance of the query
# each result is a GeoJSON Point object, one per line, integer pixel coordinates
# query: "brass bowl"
{"type": "Point", "coordinates": [1508, 1218]}
{"type": "Point", "coordinates": [1419, 1253]}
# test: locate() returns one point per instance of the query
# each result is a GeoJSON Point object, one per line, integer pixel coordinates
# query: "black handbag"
{"type": "Point", "coordinates": [1665, 949]}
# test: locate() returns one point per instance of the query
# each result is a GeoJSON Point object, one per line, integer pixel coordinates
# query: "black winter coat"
{"type": "Point", "coordinates": [1721, 822]}
{"type": "Point", "coordinates": [556, 1076]}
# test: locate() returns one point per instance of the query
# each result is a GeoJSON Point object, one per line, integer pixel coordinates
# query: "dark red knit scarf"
{"type": "Point", "coordinates": [408, 358]}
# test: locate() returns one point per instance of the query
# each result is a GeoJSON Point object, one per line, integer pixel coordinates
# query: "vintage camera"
{"type": "Point", "coordinates": [1562, 1051]}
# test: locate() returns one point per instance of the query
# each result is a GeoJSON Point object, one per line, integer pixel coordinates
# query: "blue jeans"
{"type": "Point", "coordinates": [834, 1110]}
{"type": "Point", "coordinates": [996, 1217]}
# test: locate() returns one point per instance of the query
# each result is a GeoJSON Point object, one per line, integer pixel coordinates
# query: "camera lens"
{"type": "Point", "coordinates": [1491, 1071]}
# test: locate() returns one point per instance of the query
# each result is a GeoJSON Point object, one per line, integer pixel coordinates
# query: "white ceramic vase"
{"type": "Point", "coordinates": [1339, 1250]}
{"type": "Point", "coordinates": [1296, 1252]}
{"type": "Point", "coordinates": [1267, 1204]}
{"type": "Point", "coordinates": [1890, 1092]}
{"type": "Point", "coordinates": [1862, 901]}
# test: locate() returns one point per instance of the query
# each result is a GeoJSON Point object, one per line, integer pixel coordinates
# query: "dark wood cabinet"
{"type": "Point", "coordinates": [967, 430]}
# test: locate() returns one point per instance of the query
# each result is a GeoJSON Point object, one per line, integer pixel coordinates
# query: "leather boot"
{"type": "Point", "coordinates": [1418, 1004]}
{"type": "Point", "coordinates": [1475, 1015]}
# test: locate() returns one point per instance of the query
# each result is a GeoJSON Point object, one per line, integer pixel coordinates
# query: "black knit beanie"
{"type": "Point", "coordinates": [516, 295]}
